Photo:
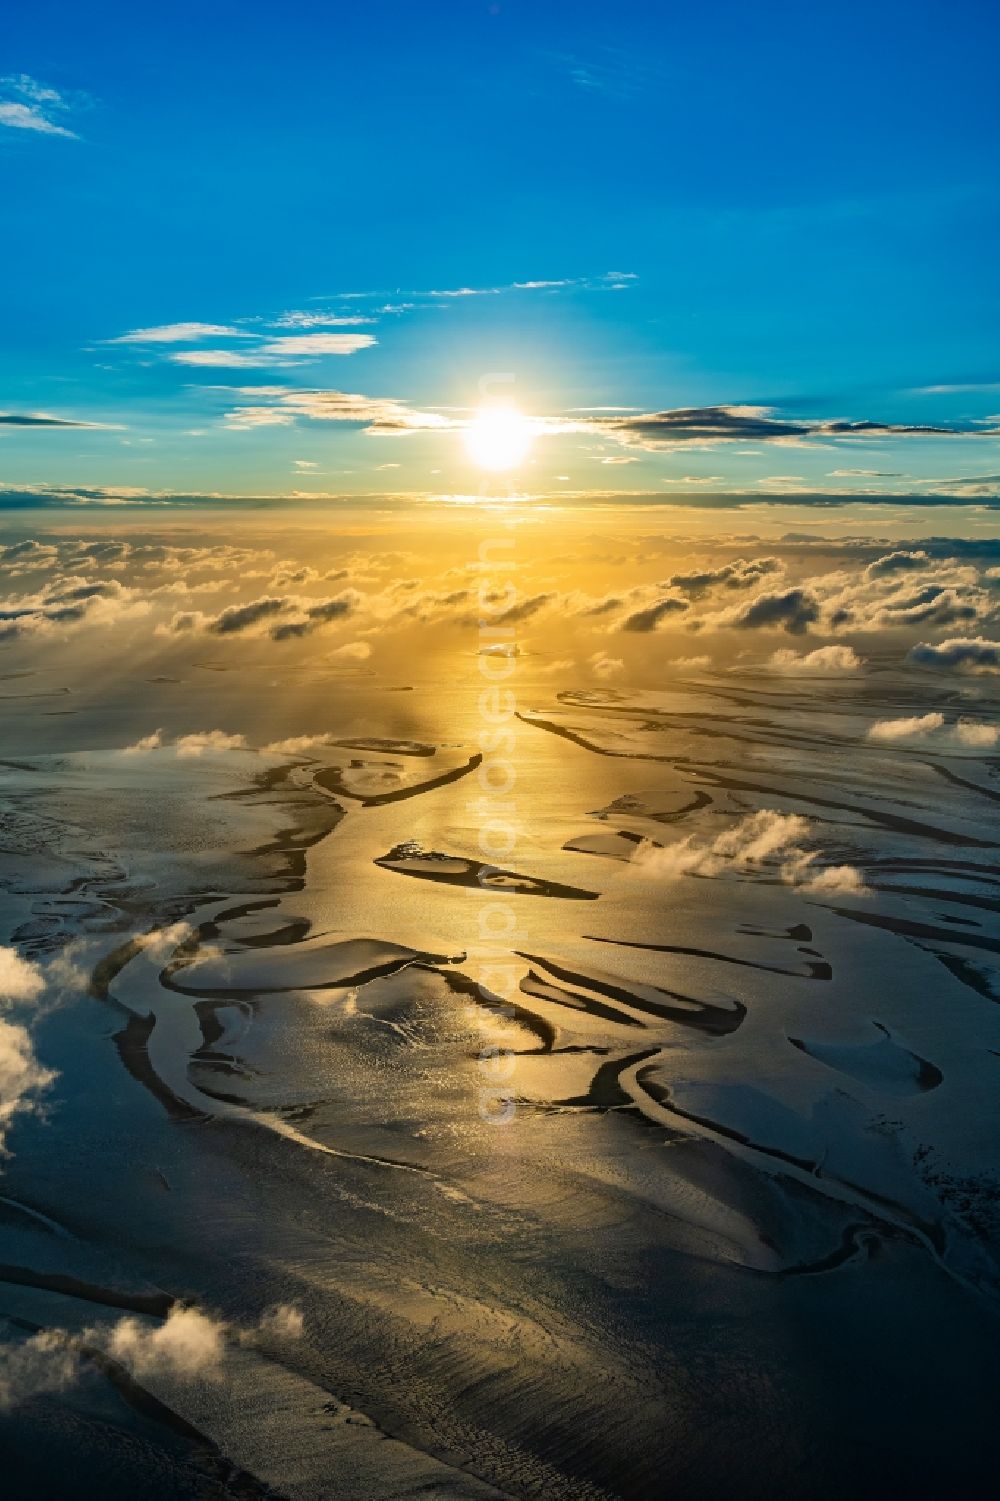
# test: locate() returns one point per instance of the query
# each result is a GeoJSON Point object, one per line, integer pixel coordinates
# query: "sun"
{"type": "Point", "coordinates": [498, 437]}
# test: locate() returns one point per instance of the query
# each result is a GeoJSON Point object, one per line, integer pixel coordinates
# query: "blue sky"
{"type": "Point", "coordinates": [778, 206]}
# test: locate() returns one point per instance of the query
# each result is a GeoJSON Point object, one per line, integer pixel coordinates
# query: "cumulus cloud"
{"type": "Point", "coordinates": [19, 979]}
{"type": "Point", "coordinates": [741, 573]}
{"type": "Point", "coordinates": [294, 745]}
{"type": "Point", "coordinates": [959, 654]}
{"type": "Point", "coordinates": [603, 666]}
{"type": "Point", "coordinates": [976, 735]}
{"type": "Point", "coordinates": [843, 879]}
{"type": "Point", "coordinates": [519, 609]}
{"type": "Point", "coordinates": [792, 610]}
{"type": "Point", "coordinates": [897, 562]}
{"type": "Point", "coordinates": [203, 742]}
{"type": "Point", "coordinates": [161, 942]}
{"type": "Point", "coordinates": [236, 618]}
{"type": "Point", "coordinates": [969, 733]}
{"type": "Point", "coordinates": [198, 743]}
{"type": "Point", "coordinates": [765, 838]}
{"type": "Point", "coordinates": [22, 1078]}
{"type": "Point", "coordinates": [825, 659]}
{"type": "Point", "coordinates": [916, 727]}
{"type": "Point", "coordinates": [649, 618]}
{"type": "Point", "coordinates": [149, 742]}
{"type": "Point", "coordinates": [29, 551]}
{"type": "Point", "coordinates": [895, 592]}
{"type": "Point", "coordinates": [68, 603]}
{"type": "Point", "coordinates": [284, 1321]}
{"type": "Point", "coordinates": [188, 1345]}
{"type": "Point", "coordinates": [902, 590]}
{"type": "Point", "coordinates": [304, 616]}
{"type": "Point", "coordinates": [45, 1363]}
{"type": "Point", "coordinates": [324, 612]}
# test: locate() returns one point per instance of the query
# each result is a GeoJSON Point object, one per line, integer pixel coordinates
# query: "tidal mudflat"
{"type": "Point", "coordinates": [729, 1224]}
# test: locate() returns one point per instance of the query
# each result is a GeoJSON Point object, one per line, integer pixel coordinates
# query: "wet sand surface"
{"type": "Point", "coordinates": [743, 1214]}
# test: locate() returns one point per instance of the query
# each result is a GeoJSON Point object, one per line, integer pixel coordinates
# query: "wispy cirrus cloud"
{"type": "Point", "coordinates": [377, 415]}
{"type": "Point", "coordinates": [180, 333]}
{"type": "Point", "coordinates": [298, 345]}
{"type": "Point", "coordinates": [310, 336]}
{"type": "Point", "coordinates": [43, 419]}
{"type": "Point", "coordinates": [603, 282]}
{"type": "Point", "coordinates": [26, 104]}
{"type": "Point", "coordinates": [285, 350]}
{"type": "Point", "coordinates": [306, 319]}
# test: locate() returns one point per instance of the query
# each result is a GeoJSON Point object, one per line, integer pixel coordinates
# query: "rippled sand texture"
{"type": "Point", "coordinates": [743, 1217]}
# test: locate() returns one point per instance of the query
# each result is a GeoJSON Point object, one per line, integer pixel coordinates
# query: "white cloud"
{"type": "Point", "coordinates": [22, 1077]}
{"type": "Point", "coordinates": [161, 942]}
{"type": "Point", "coordinates": [293, 745]}
{"type": "Point", "coordinates": [380, 416]}
{"type": "Point", "coordinates": [211, 741]}
{"type": "Point", "coordinates": [914, 728]}
{"type": "Point", "coordinates": [70, 603]}
{"type": "Point", "coordinates": [971, 733]}
{"type": "Point", "coordinates": [26, 104]}
{"type": "Point", "coordinates": [759, 838]}
{"type": "Point", "coordinates": [228, 359]}
{"type": "Point", "coordinates": [46, 1362]}
{"type": "Point", "coordinates": [304, 344]}
{"type": "Point", "coordinates": [187, 1345]}
{"type": "Point", "coordinates": [287, 349]}
{"type": "Point", "coordinates": [838, 878]}
{"type": "Point", "coordinates": [180, 333]}
{"type": "Point", "coordinates": [976, 735]}
{"type": "Point", "coordinates": [148, 742]}
{"type": "Point", "coordinates": [19, 980]}
{"type": "Point", "coordinates": [284, 1321]}
{"type": "Point", "coordinates": [195, 744]}
{"type": "Point", "coordinates": [825, 659]}
{"type": "Point", "coordinates": [319, 320]}
{"type": "Point", "coordinates": [351, 651]}
{"type": "Point", "coordinates": [603, 666]}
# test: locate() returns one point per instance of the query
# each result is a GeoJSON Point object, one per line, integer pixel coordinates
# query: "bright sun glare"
{"type": "Point", "coordinates": [498, 438]}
